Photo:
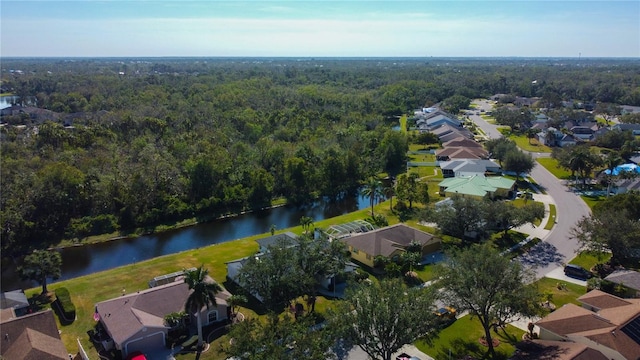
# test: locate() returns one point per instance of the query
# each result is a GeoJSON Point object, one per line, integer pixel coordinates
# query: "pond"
{"type": "Point", "coordinates": [84, 260]}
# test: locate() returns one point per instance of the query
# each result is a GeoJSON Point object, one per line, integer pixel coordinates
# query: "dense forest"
{"type": "Point", "coordinates": [131, 143]}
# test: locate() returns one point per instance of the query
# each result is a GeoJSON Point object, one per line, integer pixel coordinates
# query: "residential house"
{"type": "Point", "coordinates": [437, 120]}
{"type": "Point", "coordinates": [287, 239]}
{"type": "Point", "coordinates": [549, 136]}
{"type": "Point", "coordinates": [455, 135]}
{"type": "Point", "coordinates": [16, 301]}
{"type": "Point", "coordinates": [461, 142]}
{"type": "Point", "coordinates": [478, 186]}
{"type": "Point", "coordinates": [135, 322]}
{"type": "Point", "coordinates": [583, 132]}
{"type": "Point", "coordinates": [627, 109]}
{"type": "Point", "coordinates": [469, 167]}
{"type": "Point", "coordinates": [566, 140]}
{"type": "Point", "coordinates": [389, 242]}
{"type": "Point", "coordinates": [452, 153]}
{"type": "Point", "coordinates": [606, 323]}
{"type": "Point", "coordinates": [540, 118]}
{"type": "Point", "coordinates": [622, 186]}
{"type": "Point", "coordinates": [634, 128]}
{"type": "Point", "coordinates": [630, 279]}
{"type": "Point", "coordinates": [526, 102]}
{"type": "Point", "coordinates": [555, 350]}
{"type": "Point", "coordinates": [446, 129]}
{"type": "Point", "coordinates": [600, 132]}
{"type": "Point", "coordinates": [30, 337]}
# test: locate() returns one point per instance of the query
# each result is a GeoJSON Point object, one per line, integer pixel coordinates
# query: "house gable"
{"type": "Point", "coordinates": [33, 336]}
{"type": "Point", "coordinates": [126, 317]}
{"type": "Point", "coordinates": [389, 240]}
{"type": "Point", "coordinates": [614, 330]}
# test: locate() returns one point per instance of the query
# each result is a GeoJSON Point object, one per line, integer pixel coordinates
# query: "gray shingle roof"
{"type": "Point", "coordinates": [386, 240]}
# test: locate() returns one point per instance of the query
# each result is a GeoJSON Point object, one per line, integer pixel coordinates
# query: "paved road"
{"type": "Point", "coordinates": [558, 247]}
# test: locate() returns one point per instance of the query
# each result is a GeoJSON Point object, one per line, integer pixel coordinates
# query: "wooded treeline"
{"type": "Point", "coordinates": [160, 140]}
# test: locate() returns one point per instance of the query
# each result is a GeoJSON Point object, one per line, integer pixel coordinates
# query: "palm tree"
{"type": "Point", "coordinates": [612, 160]}
{"type": "Point", "coordinates": [373, 189]}
{"type": "Point", "coordinates": [389, 192]}
{"type": "Point", "coordinates": [235, 301]}
{"type": "Point", "coordinates": [204, 294]}
{"type": "Point", "coordinates": [306, 223]}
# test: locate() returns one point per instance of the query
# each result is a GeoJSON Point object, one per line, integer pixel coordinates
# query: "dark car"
{"type": "Point", "coordinates": [577, 272]}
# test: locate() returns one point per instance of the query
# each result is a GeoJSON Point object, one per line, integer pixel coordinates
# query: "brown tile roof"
{"type": "Point", "coordinates": [386, 240]}
{"type": "Point", "coordinates": [126, 315]}
{"type": "Point", "coordinates": [607, 327]}
{"type": "Point", "coordinates": [461, 142]}
{"type": "Point", "coordinates": [571, 319]}
{"type": "Point", "coordinates": [602, 300]}
{"type": "Point", "coordinates": [556, 350]}
{"type": "Point", "coordinates": [462, 152]}
{"type": "Point", "coordinates": [33, 336]}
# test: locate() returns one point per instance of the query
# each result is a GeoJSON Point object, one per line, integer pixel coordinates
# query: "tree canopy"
{"type": "Point", "coordinates": [480, 280]}
{"type": "Point", "coordinates": [286, 272]}
{"type": "Point", "coordinates": [40, 265]}
{"type": "Point", "coordinates": [118, 145]}
{"type": "Point", "coordinates": [382, 317]}
{"type": "Point", "coordinates": [614, 226]}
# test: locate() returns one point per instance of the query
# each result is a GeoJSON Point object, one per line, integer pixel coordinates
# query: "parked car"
{"type": "Point", "coordinates": [577, 272]}
{"type": "Point", "coordinates": [446, 312]}
{"type": "Point", "coordinates": [446, 316]}
{"type": "Point", "coordinates": [136, 355]}
{"type": "Point", "coordinates": [404, 356]}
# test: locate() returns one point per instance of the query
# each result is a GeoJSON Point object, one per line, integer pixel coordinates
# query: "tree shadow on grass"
{"type": "Point", "coordinates": [459, 348]}
{"type": "Point", "coordinates": [506, 241]}
{"type": "Point", "coordinates": [466, 349]}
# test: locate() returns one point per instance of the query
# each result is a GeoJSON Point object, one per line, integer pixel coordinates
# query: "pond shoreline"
{"type": "Point", "coordinates": [88, 241]}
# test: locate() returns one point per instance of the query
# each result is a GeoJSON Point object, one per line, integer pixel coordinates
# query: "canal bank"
{"type": "Point", "coordinates": [96, 257]}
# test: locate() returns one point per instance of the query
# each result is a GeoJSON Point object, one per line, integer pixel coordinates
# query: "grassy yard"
{"type": "Point", "coordinates": [488, 118]}
{"type": "Point", "coordinates": [561, 292]}
{"type": "Point", "coordinates": [529, 144]}
{"type": "Point", "coordinates": [552, 217]}
{"type": "Point", "coordinates": [591, 201]}
{"type": "Point", "coordinates": [551, 164]}
{"type": "Point", "coordinates": [589, 259]}
{"type": "Point", "coordinates": [403, 123]}
{"type": "Point", "coordinates": [461, 338]}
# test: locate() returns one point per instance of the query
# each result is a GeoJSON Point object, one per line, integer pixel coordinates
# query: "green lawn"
{"type": "Point", "coordinates": [591, 201]}
{"type": "Point", "coordinates": [529, 144]}
{"type": "Point", "coordinates": [461, 338]}
{"type": "Point", "coordinates": [488, 118]}
{"type": "Point", "coordinates": [561, 292]}
{"type": "Point", "coordinates": [403, 123]}
{"type": "Point", "coordinates": [552, 217]}
{"type": "Point", "coordinates": [589, 259]}
{"type": "Point", "coordinates": [551, 164]}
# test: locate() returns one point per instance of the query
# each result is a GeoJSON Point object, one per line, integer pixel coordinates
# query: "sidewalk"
{"type": "Point", "coordinates": [539, 231]}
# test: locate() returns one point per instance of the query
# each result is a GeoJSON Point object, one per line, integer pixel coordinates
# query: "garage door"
{"type": "Point", "coordinates": [145, 344]}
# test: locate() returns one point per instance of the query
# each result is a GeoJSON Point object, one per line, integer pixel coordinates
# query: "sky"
{"type": "Point", "coordinates": [347, 28]}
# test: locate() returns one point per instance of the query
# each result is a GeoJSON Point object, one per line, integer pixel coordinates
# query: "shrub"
{"type": "Point", "coordinates": [66, 305]}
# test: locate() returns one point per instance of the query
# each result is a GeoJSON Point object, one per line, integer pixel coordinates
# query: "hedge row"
{"type": "Point", "coordinates": [66, 305]}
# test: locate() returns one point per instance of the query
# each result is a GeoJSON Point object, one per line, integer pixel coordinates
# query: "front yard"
{"type": "Point", "coordinates": [461, 339]}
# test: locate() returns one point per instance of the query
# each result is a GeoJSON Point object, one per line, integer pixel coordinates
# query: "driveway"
{"type": "Point", "coordinates": [357, 354]}
{"type": "Point", "coordinates": [558, 246]}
